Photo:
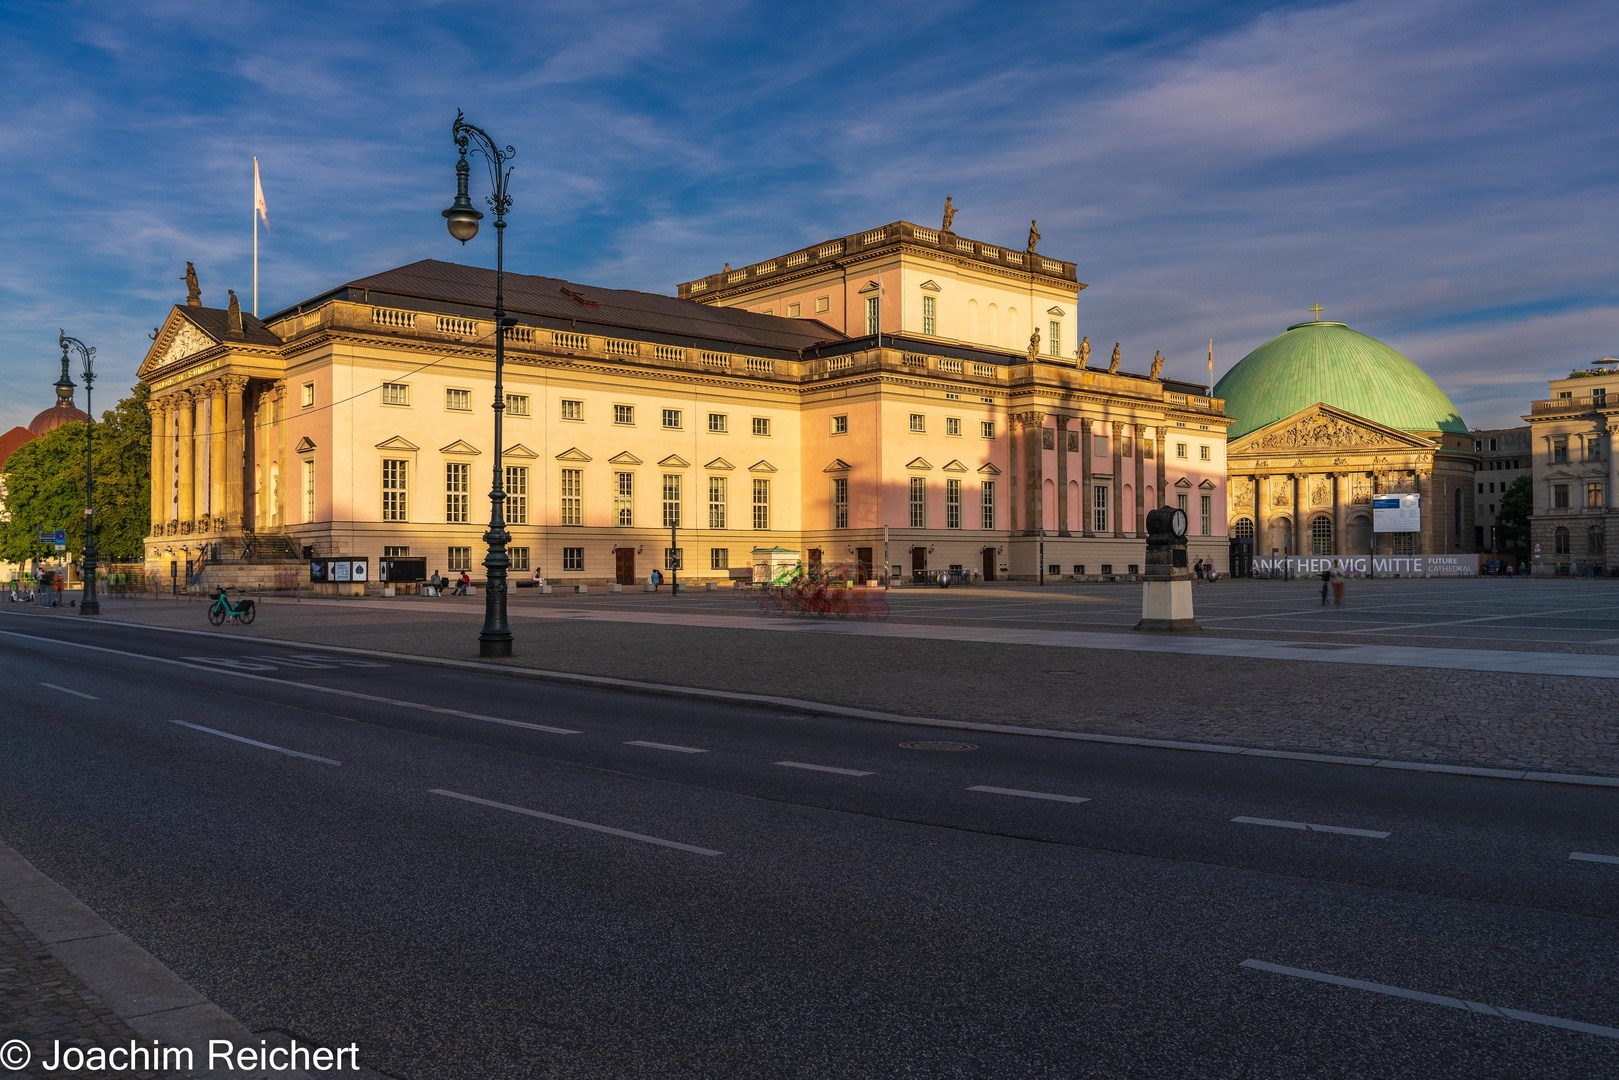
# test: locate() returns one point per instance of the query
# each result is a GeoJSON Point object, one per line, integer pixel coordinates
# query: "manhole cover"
{"type": "Point", "coordinates": [938, 746]}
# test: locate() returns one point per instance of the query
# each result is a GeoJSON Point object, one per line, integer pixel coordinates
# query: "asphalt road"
{"type": "Point", "coordinates": [660, 888]}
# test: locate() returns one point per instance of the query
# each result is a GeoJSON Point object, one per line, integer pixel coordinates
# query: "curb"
{"type": "Point", "coordinates": [817, 708]}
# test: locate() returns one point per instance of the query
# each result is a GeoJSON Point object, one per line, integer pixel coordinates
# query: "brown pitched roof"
{"type": "Point", "coordinates": [215, 320]}
{"type": "Point", "coordinates": [555, 298]}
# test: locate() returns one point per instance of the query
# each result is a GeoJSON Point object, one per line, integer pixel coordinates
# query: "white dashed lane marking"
{"type": "Point", "coordinates": [1580, 856]}
{"type": "Point", "coordinates": [666, 746]}
{"type": "Point", "coordinates": [822, 768]}
{"type": "Point", "coordinates": [255, 742]}
{"type": "Point", "coordinates": [1028, 794]}
{"type": "Point", "coordinates": [1305, 827]}
{"type": "Point", "coordinates": [642, 837]}
{"type": "Point", "coordinates": [65, 690]}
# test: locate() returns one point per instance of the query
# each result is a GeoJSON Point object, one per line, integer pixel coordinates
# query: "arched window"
{"type": "Point", "coordinates": [1243, 529]}
{"type": "Point", "coordinates": [1560, 540]}
{"type": "Point", "coordinates": [1321, 536]}
{"type": "Point", "coordinates": [1593, 540]}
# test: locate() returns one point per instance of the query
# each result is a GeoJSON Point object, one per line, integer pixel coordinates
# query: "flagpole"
{"type": "Point", "coordinates": [1211, 366]}
{"type": "Point", "coordinates": [255, 262]}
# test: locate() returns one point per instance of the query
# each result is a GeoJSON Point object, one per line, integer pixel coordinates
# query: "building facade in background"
{"type": "Point", "coordinates": [1504, 455]}
{"type": "Point", "coordinates": [1576, 523]}
{"type": "Point", "coordinates": [358, 423]}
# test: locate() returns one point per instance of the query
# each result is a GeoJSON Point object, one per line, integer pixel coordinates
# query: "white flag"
{"type": "Point", "coordinates": [258, 197]}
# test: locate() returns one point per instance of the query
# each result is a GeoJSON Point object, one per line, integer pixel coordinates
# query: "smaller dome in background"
{"type": "Point", "coordinates": [56, 416]}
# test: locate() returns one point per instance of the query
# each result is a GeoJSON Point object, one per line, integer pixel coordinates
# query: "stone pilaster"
{"type": "Point", "coordinates": [184, 449]}
{"type": "Point", "coordinates": [1031, 424]}
{"type": "Point", "coordinates": [217, 467]}
{"type": "Point", "coordinates": [1339, 482]}
{"type": "Point", "coordinates": [1299, 546]}
{"type": "Point", "coordinates": [1118, 478]}
{"type": "Point", "coordinates": [1139, 526]}
{"type": "Point", "coordinates": [162, 476]}
{"type": "Point", "coordinates": [1085, 493]}
{"type": "Point", "coordinates": [278, 452]}
{"type": "Point", "coordinates": [1062, 476]}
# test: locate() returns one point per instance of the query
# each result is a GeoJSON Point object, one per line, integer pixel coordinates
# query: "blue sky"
{"type": "Point", "coordinates": [1441, 175]}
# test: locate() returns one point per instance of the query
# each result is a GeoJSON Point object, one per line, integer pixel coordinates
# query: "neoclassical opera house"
{"type": "Point", "coordinates": [1324, 418]}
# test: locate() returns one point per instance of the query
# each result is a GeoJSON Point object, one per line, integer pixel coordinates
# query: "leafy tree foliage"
{"type": "Point", "coordinates": [44, 485]}
{"type": "Point", "coordinates": [1512, 523]}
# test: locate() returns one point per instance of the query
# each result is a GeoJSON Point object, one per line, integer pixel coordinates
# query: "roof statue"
{"type": "Point", "coordinates": [949, 215]}
{"type": "Point", "coordinates": [1113, 366]}
{"type": "Point", "coordinates": [233, 316]}
{"type": "Point", "coordinates": [193, 293]}
{"type": "Point", "coordinates": [1034, 234]}
{"type": "Point", "coordinates": [1034, 344]}
{"type": "Point", "coordinates": [1085, 351]}
{"type": "Point", "coordinates": [727, 269]}
{"type": "Point", "coordinates": [1157, 364]}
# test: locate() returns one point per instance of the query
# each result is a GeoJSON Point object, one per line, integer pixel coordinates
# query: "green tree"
{"type": "Point", "coordinates": [44, 485]}
{"type": "Point", "coordinates": [1512, 523]}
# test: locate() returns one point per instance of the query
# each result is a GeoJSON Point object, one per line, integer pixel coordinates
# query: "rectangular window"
{"type": "Point", "coordinates": [624, 499]}
{"type": "Point", "coordinates": [1559, 450]}
{"type": "Point", "coordinates": [823, 303]}
{"type": "Point", "coordinates": [1205, 515]}
{"type": "Point", "coordinates": [395, 552]}
{"type": "Point", "coordinates": [792, 311]}
{"type": "Point", "coordinates": [573, 410]}
{"type": "Point", "coordinates": [309, 394]}
{"type": "Point", "coordinates": [716, 502]}
{"type": "Point", "coordinates": [517, 404]}
{"type": "Point", "coordinates": [674, 558]}
{"type": "Point", "coordinates": [761, 425]}
{"type": "Point", "coordinates": [719, 558]}
{"type": "Point", "coordinates": [952, 504]}
{"type": "Point", "coordinates": [1054, 342]}
{"type": "Point", "coordinates": [919, 503]}
{"type": "Point", "coordinates": [1180, 450]}
{"type": "Point", "coordinates": [1099, 509]}
{"type": "Point", "coordinates": [395, 500]}
{"type": "Point", "coordinates": [457, 490]}
{"type": "Point", "coordinates": [1593, 449]}
{"type": "Point", "coordinates": [395, 393]}
{"type": "Point", "coordinates": [918, 422]}
{"type": "Point", "coordinates": [952, 425]}
{"type": "Point", "coordinates": [459, 558]}
{"type": "Point", "coordinates": [671, 500]}
{"type": "Point", "coordinates": [518, 557]}
{"type": "Point", "coordinates": [1203, 453]}
{"type": "Point", "coordinates": [623, 414]}
{"type": "Point", "coordinates": [1593, 496]}
{"type": "Point", "coordinates": [717, 423]}
{"type": "Point", "coordinates": [986, 505]}
{"type": "Point", "coordinates": [840, 502]}
{"type": "Point", "coordinates": [1560, 496]}
{"type": "Point", "coordinates": [309, 489]}
{"type": "Point", "coordinates": [986, 428]}
{"type": "Point", "coordinates": [1181, 501]}
{"type": "Point", "coordinates": [840, 425]}
{"type": "Point", "coordinates": [573, 558]}
{"type": "Point", "coordinates": [671, 418]}
{"type": "Point", "coordinates": [573, 496]}
{"type": "Point", "coordinates": [517, 494]}
{"type": "Point", "coordinates": [930, 322]}
{"type": "Point", "coordinates": [761, 504]}
{"type": "Point", "coordinates": [872, 315]}
{"type": "Point", "coordinates": [459, 400]}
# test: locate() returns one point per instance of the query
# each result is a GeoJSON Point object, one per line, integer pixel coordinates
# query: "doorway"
{"type": "Point", "coordinates": [862, 558]}
{"type": "Point", "coordinates": [625, 560]}
{"type": "Point", "coordinates": [988, 559]}
{"type": "Point", "coordinates": [919, 564]}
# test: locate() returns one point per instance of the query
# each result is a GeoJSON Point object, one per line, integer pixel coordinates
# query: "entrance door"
{"type": "Point", "coordinates": [626, 565]}
{"type": "Point", "coordinates": [863, 558]}
{"type": "Point", "coordinates": [919, 564]}
{"type": "Point", "coordinates": [989, 564]}
{"type": "Point", "coordinates": [815, 560]}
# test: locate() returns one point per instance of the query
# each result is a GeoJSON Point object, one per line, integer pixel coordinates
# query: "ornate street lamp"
{"type": "Point", "coordinates": [88, 604]}
{"type": "Point", "coordinates": [495, 639]}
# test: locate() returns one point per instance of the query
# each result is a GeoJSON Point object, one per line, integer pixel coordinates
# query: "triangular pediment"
{"type": "Point", "coordinates": [838, 465]}
{"type": "Point", "coordinates": [459, 446]}
{"type": "Point", "coordinates": [1055, 311]}
{"type": "Point", "coordinates": [398, 442]}
{"type": "Point", "coordinates": [177, 339]}
{"type": "Point", "coordinates": [305, 445]}
{"type": "Point", "coordinates": [720, 464]}
{"type": "Point", "coordinates": [675, 461]}
{"type": "Point", "coordinates": [870, 286]}
{"type": "Point", "coordinates": [955, 466]}
{"type": "Point", "coordinates": [989, 469]}
{"type": "Point", "coordinates": [761, 466]}
{"type": "Point", "coordinates": [931, 286]}
{"type": "Point", "coordinates": [573, 453]}
{"type": "Point", "coordinates": [624, 457]}
{"type": "Point", "coordinates": [918, 463]}
{"type": "Point", "coordinates": [1323, 428]}
{"type": "Point", "coordinates": [1183, 483]}
{"type": "Point", "coordinates": [1207, 485]}
{"type": "Point", "coordinates": [520, 451]}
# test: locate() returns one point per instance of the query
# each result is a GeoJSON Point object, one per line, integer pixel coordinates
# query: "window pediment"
{"type": "Point", "coordinates": [918, 463]}
{"type": "Point", "coordinates": [398, 442]}
{"type": "Point", "coordinates": [955, 466]}
{"type": "Point", "coordinates": [305, 445]}
{"type": "Point", "coordinates": [989, 469]}
{"type": "Point", "coordinates": [675, 461]}
{"type": "Point", "coordinates": [459, 446]}
{"type": "Point", "coordinates": [624, 457]}
{"type": "Point", "coordinates": [719, 463]}
{"type": "Point", "coordinates": [931, 286]}
{"type": "Point", "coordinates": [573, 453]}
{"type": "Point", "coordinates": [838, 465]}
{"type": "Point", "coordinates": [520, 451]}
{"type": "Point", "coordinates": [761, 466]}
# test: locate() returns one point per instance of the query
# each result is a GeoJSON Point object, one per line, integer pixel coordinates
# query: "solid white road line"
{"type": "Point", "coordinates": [1027, 794]}
{"type": "Point", "coordinates": [293, 682]}
{"type": "Point", "coordinates": [579, 824]}
{"type": "Point", "coordinates": [65, 690]}
{"type": "Point", "coordinates": [1302, 826]}
{"type": "Point", "coordinates": [667, 746]}
{"type": "Point", "coordinates": [1580, 856]}
{"type": "Point", "coordinates": [1435, 999]}
{"type": "Point", "coordinates": [255, 742]}
{"type": "Point", "coordinates": [822, 768]}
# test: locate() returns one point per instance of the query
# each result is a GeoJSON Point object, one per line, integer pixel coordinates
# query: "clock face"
{"type": "Point", "coordinates": [1177, 522]}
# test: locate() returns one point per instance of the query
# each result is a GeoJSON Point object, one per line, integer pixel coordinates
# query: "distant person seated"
{"type": "Point", "coordinates": [539, 578]}
{"type": "Point", "coordinates": [463, 584]}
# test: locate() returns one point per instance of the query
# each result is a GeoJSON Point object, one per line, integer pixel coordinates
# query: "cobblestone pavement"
{"type": "Point", "coordinates": [1536, 722]}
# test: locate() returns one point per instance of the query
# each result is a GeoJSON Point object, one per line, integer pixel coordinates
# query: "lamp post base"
{"type": "Point", "coordinates": [494, 647]}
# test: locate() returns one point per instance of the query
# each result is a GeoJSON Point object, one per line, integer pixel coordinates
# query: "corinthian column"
{"type": "Point", "coordinates": [1032, 424]}
{"type": "Point", "coordinates": [1118, 478]}
{"type": "Point", "coordinates": [1261, 515]}
{"type": "Point", "coordinates": [278, 452]}
{"type": "Point", "coordinates": [1085, 495]}
{"type": "Point", "coordinates": [1298, 513]}
{"type": "Point", "coordinates": [185, 448]}
{"type": "Point", "coordinates": [235, 387]}
{"type": "Point", "coordinates": [1339, 482]}
{"type": "Point", "coordinates": [216, 451]}
{"type": "Point", "coordinates": [162, 473]}
{"type": "Point", "coordinates": [1062, 476]}
{"type": "Point", "coordinates": [1140, 526]}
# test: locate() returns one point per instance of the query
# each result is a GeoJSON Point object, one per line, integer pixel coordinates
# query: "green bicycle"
{"type": "Point", "coordinates": [222, 609]}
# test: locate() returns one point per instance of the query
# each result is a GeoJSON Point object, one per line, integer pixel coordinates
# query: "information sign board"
{"type": "Point", "coordinates": [1397, 513]}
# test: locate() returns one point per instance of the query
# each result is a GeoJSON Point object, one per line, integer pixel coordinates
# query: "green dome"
{"type": "Point", "coordinates": [1329, 362]}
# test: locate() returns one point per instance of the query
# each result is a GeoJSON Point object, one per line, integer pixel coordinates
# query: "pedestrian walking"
{"type": "Point", "coordinates": [1337, 583]}
{"type": "Point", "coordinates": [1326, 580]}
{"type": "Point", "coordinates": [1199, 569]}
{"type": "Point", "coordinates": [655, 578]}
